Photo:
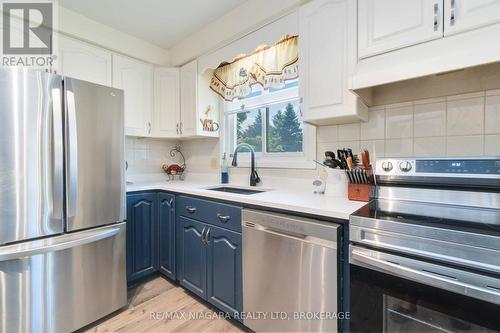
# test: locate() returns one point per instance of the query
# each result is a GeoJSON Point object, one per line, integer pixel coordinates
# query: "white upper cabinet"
{"type": "Point", "coordinates": [136, 79]}
{"type": "Point", "coordinates": [407, 39]}
{"type": "Point", "coordinates": [189, 98]}
{"type": "Point", "coordinates": [327, 49]}
{"type": "Point", "coordinates": [386, 25]}
{"type": "Point", "coordinates": [463, 15]}
{"type": "Point", "coordinates": [166, 112]}
{"type": "Point", "coordinates": [84, 62]}
{"type": "Point", "coordinates": [199, 104]}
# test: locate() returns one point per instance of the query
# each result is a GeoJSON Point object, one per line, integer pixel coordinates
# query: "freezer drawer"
{"type": "Point", "coordinates": [62, 283]}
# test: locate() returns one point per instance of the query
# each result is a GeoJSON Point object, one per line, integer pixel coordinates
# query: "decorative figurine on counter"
{"type": "Point", "coordinates": [175, 170]}
{"type": "Point", "coordinates": [172, 169]}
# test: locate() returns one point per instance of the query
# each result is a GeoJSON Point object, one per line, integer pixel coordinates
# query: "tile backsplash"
{"type": "Point", "coordinates": [459, 125]}
{"type": "Point", "coordinates": [146, 156]}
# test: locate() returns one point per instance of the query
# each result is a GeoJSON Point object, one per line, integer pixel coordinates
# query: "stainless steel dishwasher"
{"type": "Point", "coordinates": [290, 268]}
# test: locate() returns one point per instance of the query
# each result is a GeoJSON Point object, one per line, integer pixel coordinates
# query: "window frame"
{"type": "Point", "coordinates": [292, 160]}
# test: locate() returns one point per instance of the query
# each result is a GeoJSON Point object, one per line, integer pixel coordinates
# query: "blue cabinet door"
{"type": "Point", "coordinates": [166, 217]}
{"type": "Point", "coordinates": [224, 289]}
{"type": "Point", "coordinates": [191, 256]}
{"type": "Point", "coordinates": [142, 240]}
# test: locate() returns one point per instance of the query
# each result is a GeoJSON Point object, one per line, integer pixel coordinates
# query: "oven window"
{"type": "Point", "coordinates": [405, 316]}
{"type": "Point", "coordinates": [384, 303]}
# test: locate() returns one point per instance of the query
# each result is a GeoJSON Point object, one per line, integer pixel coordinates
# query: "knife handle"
{"type": "Point", "coordinates": [365, 157]}
{"type": "Point", "coordinates": [350, 163]}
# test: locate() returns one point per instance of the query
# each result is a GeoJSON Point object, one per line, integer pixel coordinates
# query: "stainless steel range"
{"type": "Point", "coordinates": [425, 253]}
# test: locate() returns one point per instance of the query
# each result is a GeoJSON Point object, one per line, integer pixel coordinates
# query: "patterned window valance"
{"type": "Point", "coordinates": [269, 66]}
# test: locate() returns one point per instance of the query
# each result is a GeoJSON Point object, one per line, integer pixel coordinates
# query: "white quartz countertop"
{"type": "Point", "coordinates": [295, 200]}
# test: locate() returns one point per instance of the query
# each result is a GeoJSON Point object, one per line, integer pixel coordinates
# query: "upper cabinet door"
{"type": "Point", "coordinates": [385, 25]}
{"type": "Point", "coordinates": [327, 48]}
{"type": "Point", "coordinates": [84, 62]}
{"type": "Point", "coordinates": [136, 79]}
{"type": "Point", "coordinates": [166, 106]}
{"type": "Point", "coordinates": [189, 98]}
{"type": "Point", "coordinates": [463, 15]}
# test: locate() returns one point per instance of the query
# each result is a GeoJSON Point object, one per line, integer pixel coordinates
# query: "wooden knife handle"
{"type": "Point", "coordinates": [365, 157]}
{"type": "Point", "coordinates": [350, 163]}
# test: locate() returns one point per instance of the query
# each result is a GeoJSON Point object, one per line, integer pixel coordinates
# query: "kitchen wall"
{"type": "Point", "coordinates": [459, 125]}
{"type": "Point", "coordinates": [81, 27]}
{"type": "Point", "coordinates": [145, 156]}
{"type": "Point", "coordinates": [244, 19]}
{"type": "Point", "coordinates": [203, 156]}
{"type": "Point", "coordinates": [478, 78]}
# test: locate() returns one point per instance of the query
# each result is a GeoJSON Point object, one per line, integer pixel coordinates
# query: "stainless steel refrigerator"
{"type": "Point", "coordinates": [62, 202]}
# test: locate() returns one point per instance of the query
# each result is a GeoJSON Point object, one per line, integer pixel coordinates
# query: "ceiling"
{"type": "Point", "coordinates": [160, 22]}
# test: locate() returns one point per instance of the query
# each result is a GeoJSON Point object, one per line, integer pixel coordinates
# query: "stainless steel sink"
{"type": "Point", "coordinates": [236, 189]}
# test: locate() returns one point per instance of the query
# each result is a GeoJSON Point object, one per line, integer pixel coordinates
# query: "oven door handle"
{"type": "Point", "coordinates": [462, 282]}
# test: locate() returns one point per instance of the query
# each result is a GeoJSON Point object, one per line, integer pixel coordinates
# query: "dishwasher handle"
{"type": "Point", "coordinates": [292, 236]}
{"type": "Point", "coordinates": [290, 225]}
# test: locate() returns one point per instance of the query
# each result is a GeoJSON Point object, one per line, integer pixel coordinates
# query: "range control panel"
{"type": "Point", "coordinates": [439, 167]}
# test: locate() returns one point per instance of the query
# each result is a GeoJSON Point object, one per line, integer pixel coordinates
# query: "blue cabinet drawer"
{"type": "Point", "coordinates": [215, 213]}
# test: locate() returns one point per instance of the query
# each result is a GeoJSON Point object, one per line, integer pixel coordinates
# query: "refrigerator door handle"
{"type": "Point", "coordinates": [71, 152]}
{"type": "Point", "coordinates": [58, 243]}
{"type": "Point", "coordinates": [57, 149]}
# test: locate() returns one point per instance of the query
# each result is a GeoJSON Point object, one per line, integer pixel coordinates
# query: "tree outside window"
{"type": "Point", "coordinates": [284, 129]}
{"type": "Point", "coordinates": [276, 127]}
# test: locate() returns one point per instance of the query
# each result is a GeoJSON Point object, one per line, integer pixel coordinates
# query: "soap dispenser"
{"type": "Point", "coordinates": [224, 176]}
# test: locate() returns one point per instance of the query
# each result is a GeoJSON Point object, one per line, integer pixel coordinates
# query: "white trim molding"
{"type": "Point", "coordinates": [300, 160]}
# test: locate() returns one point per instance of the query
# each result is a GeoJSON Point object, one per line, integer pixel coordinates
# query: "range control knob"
{"type": "Point", "coordinates": [405, 166]}
{"type": "Point", "coordinates": [386, 166]}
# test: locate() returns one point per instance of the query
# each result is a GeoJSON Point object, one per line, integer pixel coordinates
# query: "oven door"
{"type": "Point", "coordinates": [392, 293]}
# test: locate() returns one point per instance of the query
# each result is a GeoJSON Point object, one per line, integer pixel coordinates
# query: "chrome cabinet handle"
{"type": "Point", "coordinates": [436, 17]}
{"type": "Point", "coordinates": [452, 12]}
{"type": "Point", "coordinates": [203, 235]}
{"type": "Point", "coordinates": [149, 127]}
{"type": "Point", "coordinates": [207, 235]}
{"type": "Point", "coordinates": [191, 210]}
{"type": "Point", "coordinates": [180, 128]}
{"type": "Point", "coordinates": [223, 218]}
{"type": "Point", "coordinates": [177, 128]}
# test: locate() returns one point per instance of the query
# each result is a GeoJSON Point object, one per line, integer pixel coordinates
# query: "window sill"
{"type": "Point", "coordinates": [288, 163]}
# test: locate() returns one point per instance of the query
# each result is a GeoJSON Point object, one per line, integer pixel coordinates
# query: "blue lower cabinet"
{"type": "Point", "coordinates": [166, 225]}
{"type": "Point", "coordinates": [192, 256]}
{"type": "Point", "coordinates": [224, 281]}
{"type": "Point", "coordinates": [142, 231]}
{"type": "Point", "coordinates": [202, 251]}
